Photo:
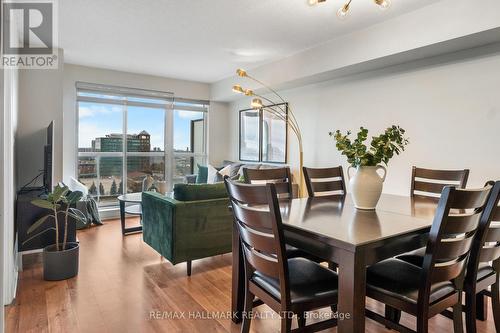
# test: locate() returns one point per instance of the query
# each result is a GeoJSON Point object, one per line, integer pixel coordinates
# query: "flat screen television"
{"type": "Point", "coordinates": [48, 158]}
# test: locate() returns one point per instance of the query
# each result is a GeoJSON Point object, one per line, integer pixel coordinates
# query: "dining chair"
{"type": "Point", "coordinates": [482, 275]}
{"type": "Point", "coordinates": [324, 181]}
{"type": "Point", "coordinates": [282, 177]}
{"type": "Point", "coordinates": [430, 289]}
{"type": "Point", "coordinates": [288, 286]}
{"type": "Point", "coordinates": [430, 183]}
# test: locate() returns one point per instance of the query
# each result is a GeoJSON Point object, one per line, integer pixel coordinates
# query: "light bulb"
{"type": "Point", "coordinates": [241, 72]}
{"type": "Point", "coordinates": [383, 4]}
{"type": "Point", "coordinates": [312, 2]}
{"type": "Point", "coordinates": [256, 103]}
{"type": "Point", "coordinates": [238, 89]}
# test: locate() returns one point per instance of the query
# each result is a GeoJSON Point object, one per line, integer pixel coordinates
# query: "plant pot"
{"type": "Point", "coordinates": [366, 186]}
{"type": "Point", "coordinates": [60, 265]}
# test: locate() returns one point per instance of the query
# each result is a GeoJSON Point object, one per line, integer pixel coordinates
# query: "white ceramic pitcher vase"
{"type": "Point", "coordinates": [366, 186]}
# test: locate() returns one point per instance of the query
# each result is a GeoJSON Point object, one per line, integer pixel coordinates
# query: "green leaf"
{"type": "Point", "coordinates": [43, 203]}
{"type": "Point", "coordinates": [38, 223]}
{"type": "Point", "coordinates": [381, 149]}
{"type": "Point", "coordinates": [59, 191]}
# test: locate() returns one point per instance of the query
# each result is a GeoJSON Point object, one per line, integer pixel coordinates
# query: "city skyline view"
{"type": "Point", "coordinates": [99, 119]}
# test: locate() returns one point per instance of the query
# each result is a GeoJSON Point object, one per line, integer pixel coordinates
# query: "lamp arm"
{"type": "Point", "coordinates": [266, 86]}
{"type": "Point", "coordinates": [292, 120]}
{"type": "Point", "coordinates": [271, 90]}
{"type": "Point", "coordinates": [287, 120]}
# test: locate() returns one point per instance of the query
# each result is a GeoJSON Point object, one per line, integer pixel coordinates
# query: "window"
{"type": "Point", "coordinates": [125, 134]}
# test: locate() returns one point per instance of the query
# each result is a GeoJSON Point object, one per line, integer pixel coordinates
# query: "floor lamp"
{"type": "Point", "coordinates": [278, 111]}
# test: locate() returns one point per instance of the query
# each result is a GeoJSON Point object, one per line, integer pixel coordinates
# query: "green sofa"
{"type": "Point", "coordinates": [182, 231]}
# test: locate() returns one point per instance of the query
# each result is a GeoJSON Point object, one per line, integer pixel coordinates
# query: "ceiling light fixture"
{"type": "Point", "coordinates": [344, 10]}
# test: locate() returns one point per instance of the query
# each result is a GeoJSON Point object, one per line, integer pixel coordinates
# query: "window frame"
{"type": "Point", "coordinates": [171, 105]}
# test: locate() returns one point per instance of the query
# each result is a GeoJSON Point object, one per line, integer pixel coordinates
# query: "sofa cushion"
{"type": "Point", "coordinates": [194, 192]}
{"type": "Point", "coordinates": [202, 174]}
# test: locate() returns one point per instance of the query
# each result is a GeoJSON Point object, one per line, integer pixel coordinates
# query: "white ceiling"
{"type": "Point", "coordinates": [205, 40]}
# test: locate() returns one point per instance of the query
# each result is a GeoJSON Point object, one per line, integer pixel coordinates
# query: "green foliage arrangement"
{"type": "Point", "coordinates": [381, 149]}
{"type": "Point", "coordinates": [59, 203]}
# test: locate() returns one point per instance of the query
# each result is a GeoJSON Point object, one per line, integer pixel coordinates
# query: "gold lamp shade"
{"type": "Point", "coordinates": [238, 89]}
{"type": "Point", "coordinates": [241, 72]}
{"type": "Point", "coordinates": [384, 4]}
{"type": "Point", "coordinates": [257, 103]}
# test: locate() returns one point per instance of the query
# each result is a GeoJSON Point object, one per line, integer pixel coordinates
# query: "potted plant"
{"type": "Point", "coordinates": [60, 260]}
{"type": "Point", "coordinates": [366, 185]}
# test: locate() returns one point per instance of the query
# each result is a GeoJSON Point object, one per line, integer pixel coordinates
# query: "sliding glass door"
{"type": "Point", "coordinates": [127, 135]}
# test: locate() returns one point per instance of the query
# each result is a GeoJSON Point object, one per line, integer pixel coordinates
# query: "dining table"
{"type": "Point", "coordinates": [333, 229]}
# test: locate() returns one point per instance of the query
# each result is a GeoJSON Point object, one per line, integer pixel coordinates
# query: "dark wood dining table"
{"type": "Point", "coordinates": [333, 229]}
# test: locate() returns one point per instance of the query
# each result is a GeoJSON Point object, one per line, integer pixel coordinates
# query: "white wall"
{"type": "Point", "coordinates": [218, 144]}
{"type": "Point", "coordinates": [40, 102]}
{"type": "Point", "coordinates": [449, 105]}
{"type": "Point", "coordinates": [219, 140]}
{"type": "Point", "coordinates": [8, 186]}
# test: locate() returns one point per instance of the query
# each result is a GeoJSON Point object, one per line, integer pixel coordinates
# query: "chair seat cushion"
{"type": "Point", "coordinates": [309, 281]}
{"type": "Point", "coordinates": [414, 257]}
{"type": "Point", "coordinates": [401, 280]}
{"type": "Point", "coordinates": [417, 258]}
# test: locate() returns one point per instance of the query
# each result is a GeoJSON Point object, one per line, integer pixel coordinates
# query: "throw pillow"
{"type": "Point", "coordinates": [226, 171]}
{"type": "Point", "coordinates": [202, 174]}
{"type": "Point", "coordinates": [211, 174]}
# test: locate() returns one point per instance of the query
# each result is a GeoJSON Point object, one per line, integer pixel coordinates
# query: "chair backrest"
{"type": "Point", "coordinates": [325, 181]}
{"type": "Point", "coordinates": [281, 177]}
{"type": "Point", "coordinates": [258, 219]}
{"type": "Point", "coordinates": [486, 246]}
{"type": "Point", "coordinates": [430, 183]}
{"type": "Point", "coordinates": [452, 233]}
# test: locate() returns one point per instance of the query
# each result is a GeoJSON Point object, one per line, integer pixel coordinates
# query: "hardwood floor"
{"type": "Point", "coordinates": [122, 281]}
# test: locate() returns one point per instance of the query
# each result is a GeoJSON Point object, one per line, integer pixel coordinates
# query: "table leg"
{"type": "Point", "coordinates": [122, 216]}
{"type": "Point", "coordinates": [238, 276]}
{"type": "Point", "coordinates": [352, 284]}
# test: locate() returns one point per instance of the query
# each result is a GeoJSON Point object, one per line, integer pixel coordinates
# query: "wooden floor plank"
{"type": "Point", "coordinates": [122, 280]}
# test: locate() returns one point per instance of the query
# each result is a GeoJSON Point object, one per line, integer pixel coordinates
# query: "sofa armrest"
{"type": "Point", "coordinates": [186, 230]}
{"type": "Point", "coordinates": [158, 214]}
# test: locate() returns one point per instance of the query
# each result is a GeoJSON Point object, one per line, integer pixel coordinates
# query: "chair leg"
{"type": "Point", "coordinates": [495, 303]}
{"type": "Point", "coordinates": [481, 307]}
{"type": "Point", "coordinates": [392, 314]}
{"type": "Point", "coordinates": [247, 311]}
{"type": "Point", "coordinates": [470, 311]}
{"type": "Point", "coordinates": [301, 319]}
{"type": "Point", "coordinates": [188, 266]}
{"type": "Point", "coordinates": [422, 324]}
{"type": "Point", "coordinates": [458, 325]}
{"type": "Point", "coordinates": [286, 323]}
